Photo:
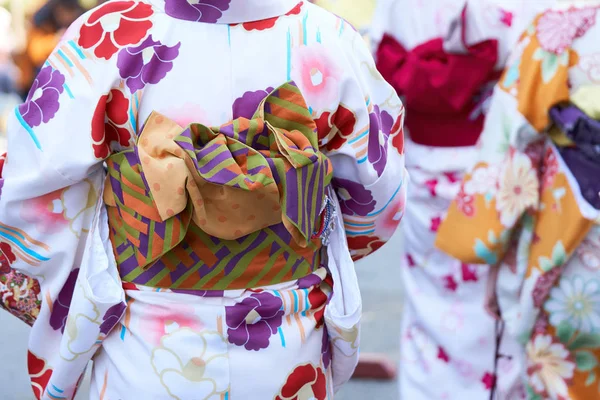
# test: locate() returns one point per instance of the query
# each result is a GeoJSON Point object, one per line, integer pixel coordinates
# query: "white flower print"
{"type": "Point", "coordinates": [518, 189]}
{"type": "Point", "coordinates": [483, 181]}
{"type": "Point", "coordinates": [591, 65]}
{"type": "Point", "coordinates": [187, 358]}
{"type": "Point", "coordinates": [548, 367]}
{"type": "Point", "coordinates": [577, 302]}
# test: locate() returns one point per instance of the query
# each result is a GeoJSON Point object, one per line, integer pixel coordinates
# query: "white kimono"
{"type": "Point", "coordinates": [447, 338]}
{"type": "Point", "coordinates": [296, 106]}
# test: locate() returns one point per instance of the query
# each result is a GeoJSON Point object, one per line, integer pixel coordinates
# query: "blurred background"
{"type": "Point", "coordinates": [29, 31]}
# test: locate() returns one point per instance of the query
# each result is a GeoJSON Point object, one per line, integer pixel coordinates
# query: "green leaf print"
{"type": "Point", "coordinates": [565, 332]}
{"type": "Point", "coordinates": [550, 62]}
{"type": "Point", "coordinates": [590, 379]}
{"type": "Point", "coordinates": [545, 264]}
{"type": "Point", "coordinates": [585, 340]}
{"type": "Point", "coordinates": [504, 145]}
{"type": "Point", "coordinates": [585, 360]}
{"type": "Point", "coordinates": [532, 395]}
{"type": "Point", "coordinates": [559, 255]}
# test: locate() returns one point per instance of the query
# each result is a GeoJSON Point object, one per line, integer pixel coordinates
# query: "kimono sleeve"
{"type": "Point", "coordinates": [504, 185]}
{"type": "Point", "coordinates": [364, 140]}
{"type": "Point", "coordinates": [51, 181]}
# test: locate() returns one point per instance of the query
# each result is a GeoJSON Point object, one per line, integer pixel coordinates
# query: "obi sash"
{"type": "Point", "coordinates": [230, 207]}
{"type": "Point", "coordinates": [444, 93]}
{"type": "Point", "coordinates": [577, 136]}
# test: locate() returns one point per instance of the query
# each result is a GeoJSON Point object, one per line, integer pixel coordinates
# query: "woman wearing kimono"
{"type": "Point", "coordinates": [443, 57]}
{"type": "Point", "coordinates": [530, 208]}
{"type": "Point", "coordinates": [199, 263]}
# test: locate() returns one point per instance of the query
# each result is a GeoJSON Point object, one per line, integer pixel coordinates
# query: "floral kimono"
{"type": "Point", "coordinates": [177, 213]}
{"type": "Point", "coordinates": [444, 57]}
{"type": "Point", "coordinates": [529, 207]}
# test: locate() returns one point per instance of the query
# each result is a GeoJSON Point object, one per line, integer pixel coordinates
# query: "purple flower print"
{"type": "Point", "coordinates": [252, 322]}
{"type": "Point", "coordinates": [60, 308]}
{"type": "Point", "coordinates": [379, 133]}
{"type": "Point", "coordinates": [42, 102]}
{"type": "Point", "coordinates": [354, 198]}
{"type": "Point", "coordinates": [246, 106]}
{"type": "Point", "coordinates": [112, 317]}
{"type": "Point", "coordinates": [309, 281]}
{"type": "Point", "coordinates": [146, 64]}
{"type": "Point", "coordinates": [326, 349]}
{"type": "Point", "coordinates": [196, 10]}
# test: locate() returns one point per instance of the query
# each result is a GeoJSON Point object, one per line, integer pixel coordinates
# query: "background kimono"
{"type": "Point", "coordinates": [530, 208]}
{"type": "Point", "coordinates": [205, 62]}
{"type": "Point", "coordinates": [444, 59]}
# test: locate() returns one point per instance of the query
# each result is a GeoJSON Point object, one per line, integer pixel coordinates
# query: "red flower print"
{"type": "Point", "coordinates": [549, 169]}
{"type": "Point", "coordinates": [268, 23]}
{"type": "Point", "coordinates": [411, 261]}
{"type": "Point", "coordinates": [432, 186]}
{"type": "Point", "coordinates": [334, 129]}
{"type": "Point", "coordinates": [361, 246]}
{"type": "Point", "coordinates": [114, 26]}
{"type": "Point", "coordinates": [8, 253]}
{"type": "Point", "coordinates": [397, 134]}
{"type": "Point", "coordinates": [318, 300]}
{"type": "Point", "coordinates": [452, 177]}
{"type": "Point", "coordinates": [442, 355]}
{"type": "Point", "coordinates": [488, 380]}
{"type": "Point", "coordinates": [39, 373]}
{"type": "Point", "coordinates": [109, 123]}
{"type": "Point", "coordinates": [435, 224]}
{"type": "Point", "coordinates": [450, 283]}
{"type": "Point", "coordinates": [464, 203]}
{"type": "Point", "coordinates": [468, 273]}
{"type": "Point", "coordinates": [305, 382]}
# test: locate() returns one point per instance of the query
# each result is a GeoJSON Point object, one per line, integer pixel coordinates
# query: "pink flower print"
{"type": "Point", "coordinates": [488, 380]}
{"type": "Point", "coordinates": [411, 261]}
{"type": "Point", "coordinates": [46, 212]}
{"type": "Point", "coordinates": [549, 169]}
{"type": "Point", "coordinates": [465, 203]}
{"type": "Point", "coordinates": [452, 177]}
{"type": "Point", "coordinates": [442, 355]}
{"type": "Point", "coordinates": [469, 273]}
{"type": "Point", "coordinates": [148, 63]}
{"type": "Point", "coordinates": [450, 283]}
{"type": "Point", "coordinates": [42, 103]}
{"type": "Point", "coordinates": [591, 66]}
{"type": "Point", "coordinates": [390, 218]}
{"type": "Point", "coordinates": [435, 224]}
{"type": "Point", "coordinates": [253, 321]}
{"type": "Point", "coordinates": [161, 321]}
{"type": "Point", "coordinates": [506, 17]}
{"type": "Point", "coordinates": [317, 75]}
{"type": "Point", "coordinates": [557, 29]}
{"type": "Point", "coordinates": [432, 186]}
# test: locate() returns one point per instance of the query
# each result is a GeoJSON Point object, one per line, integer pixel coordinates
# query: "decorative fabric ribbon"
{"type": "Point", "coordinates": [578, 142]}
{"type": "Point", "coordinates": [230, 181]}
{"type": "Point", "coordinates": [434, 81]}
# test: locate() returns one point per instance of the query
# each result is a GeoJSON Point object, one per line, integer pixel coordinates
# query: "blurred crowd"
{"type": "Point", "coordinates": [29, 31]}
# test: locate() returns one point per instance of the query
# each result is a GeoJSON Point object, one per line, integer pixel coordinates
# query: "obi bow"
{"type": "Point", "coordinates": [230, 181]}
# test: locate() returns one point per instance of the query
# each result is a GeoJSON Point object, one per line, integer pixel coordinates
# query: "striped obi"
{"type": "Point", "coordinates": [232, 207]}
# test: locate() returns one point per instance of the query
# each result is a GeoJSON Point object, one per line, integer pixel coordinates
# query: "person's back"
{"type": "Point", "coordinates": [533, 208]}
{"type": "Point", "coordinates": [224, 126]}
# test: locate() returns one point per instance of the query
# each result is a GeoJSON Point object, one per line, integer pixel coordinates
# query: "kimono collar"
{"type": "Point", "coordinates": [224, 11]}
